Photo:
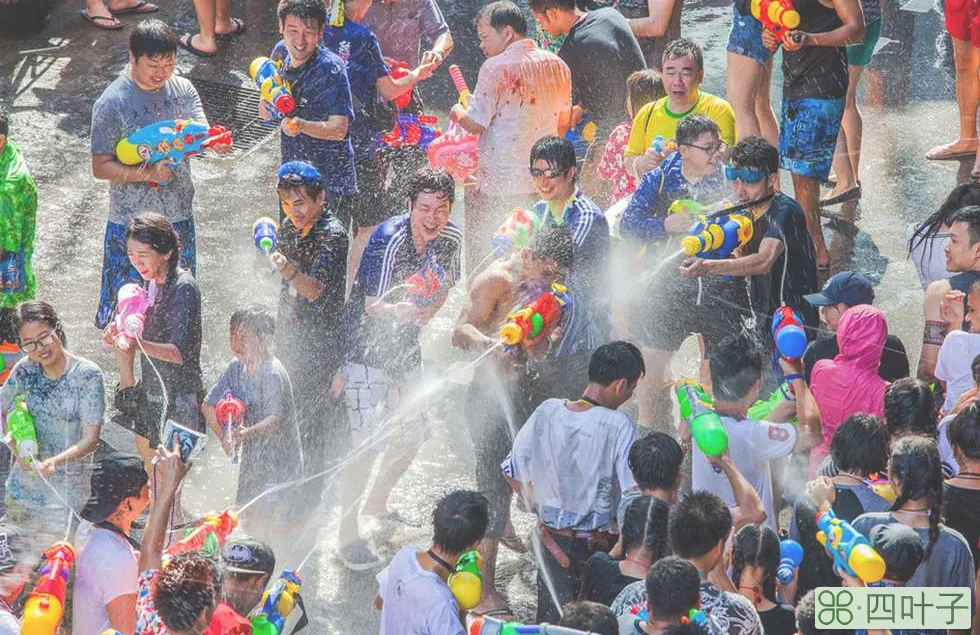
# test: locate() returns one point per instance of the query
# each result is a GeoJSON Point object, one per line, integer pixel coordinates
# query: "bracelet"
{"type": "Point", "coordinates": [792, 377]}
{"type": "Point", "coordinates": [295, 273]}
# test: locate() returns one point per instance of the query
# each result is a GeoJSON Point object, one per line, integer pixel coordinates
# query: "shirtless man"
{"type": "Point", "coordinates": [497, 398]}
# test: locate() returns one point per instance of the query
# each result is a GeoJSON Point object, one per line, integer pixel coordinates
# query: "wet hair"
{"type": "Point", "coordinates": [291, 182]}
{"type": "Point", "coordinates": [645, 525]}
{"type": "Point", "coordinates": [503, 13]}
{"type": "Point", "coordinates": [964, 195]}
{"type": "Point", "coordinates": [673, 588]}
{"type": "Point", "coordinates": [153, 38]}
{"type": "Point", "coordinates": [4, 123]}
{"type": "Point", "coordinates": [589, 617]}
{"type": "Point", "coordinates": [185, 588]}
{"type": "Point", "coordinates": [256, 318]}
{"type": "Point", "coordinates": [38, 311]}
{"type": "Point", "coordinates": [860, 445]}
{"type": "Point", "coordinates": [964, 431]}
{"type": "Point", "coordinates": [697, 524]}
{"type": "Point", "coordinates": [692, 127]}
{"type": "Point", "coordinates": [554, 244]}
{"type": "Point", "coordinates": [655, 461]}
{"type": "Point", "coordinates": [757, 546]}
{"type": "Point", "coordinates": [544, 5]}
{"type": "Point", "coordinates": [916, 467]}
{"type": "Point", "coordinates": [971, 216]}
{"type": "Point", "coordinates": [736, 365]}
{"type": "Point", "coordinates": [306, 10]}
{"type": "Point", "coordinates": [616, 360]}
{"type": "Point", "coordinates": [156, 231]}
{"type": "Point", "coordinates": [910, 408]}
{"type": "Point", "coordinates": [755, 152]}
{"type": "Point", "coordinates": [430, 181]}
{"type": "Point", "coordinates": [644, 87]}
{"type": "Point", "coordinates": [553, 150]}
{"type": "Point", "coordinates": [683, 46]}
{"type": "Point", "coordinates": [459, 521]}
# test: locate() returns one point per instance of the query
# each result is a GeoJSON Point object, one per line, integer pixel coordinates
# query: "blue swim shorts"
{"type": "Point", "coordinates": [808, 135]}
{"type": "Point", "coordinates": [745, 37]}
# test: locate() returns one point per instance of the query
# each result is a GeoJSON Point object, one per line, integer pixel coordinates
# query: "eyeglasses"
{"type": "Point", "coordinates": [746, 175]}
{"type": "Point", "coordinates": [44, 340]}
{"type": "Point", "coordinates": [709, 150]}
{"type": "Point", "coordinates": [549, 172]}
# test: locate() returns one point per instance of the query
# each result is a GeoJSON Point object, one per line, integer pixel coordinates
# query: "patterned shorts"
{"type": "Point", "coordinates": [117, 270]}
{"type": "Point", "coordinates": [745, 38]}
{"type": "Point", "coordinates": [808, 135]}
{"type": "Point", "coordinates": [372, 399]}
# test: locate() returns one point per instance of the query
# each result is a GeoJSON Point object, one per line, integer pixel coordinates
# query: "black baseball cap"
{"type": "Point", "coordinates": [248, 556]}
{"type": "Point", "coordinates": [900, 547]}
{"type": "Point", "coordinates": [116, 477]}
{"type": "Point", "coordinates": [847, 287]}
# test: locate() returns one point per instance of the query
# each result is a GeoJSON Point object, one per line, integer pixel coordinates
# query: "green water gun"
{"type": "Point", "coordinates": [699, 411]}
{"type": "Point", "coordinates": [466, 582]}
{"type": "Point", "coordinates": [20, 428]}
{"type": "Point", "coordinates": [762, 409]}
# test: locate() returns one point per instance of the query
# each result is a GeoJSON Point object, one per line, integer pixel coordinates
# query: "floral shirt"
{"type": "Point", "coordinates": [612, 166]}
{"type": "Point", "coordinates": [148, 622]}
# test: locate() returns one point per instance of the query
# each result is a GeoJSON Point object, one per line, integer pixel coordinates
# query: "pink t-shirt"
{"type": "Point", "coordinates": [519, 97]}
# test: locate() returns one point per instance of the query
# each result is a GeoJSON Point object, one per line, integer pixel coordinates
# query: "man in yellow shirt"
{"type": "Point", "coordinates": [683, 72]}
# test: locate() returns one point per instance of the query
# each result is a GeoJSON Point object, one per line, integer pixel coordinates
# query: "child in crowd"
{"type": "Point", "coordinates": [959, 347]}
{"type": "Point", "coordinates": [589, 617]}
{"type": "Point", "coordinates": [643, 87]}
{"type": "Point", "coordinates": [413, 594]}
{"type": "Point", "coordinates": [755, 559]}
{"type": "Point", "coordinates": [961, 494]}
{"type": "Point", "coordinates": [672, 589]}
{"type": "Point", "coordinates": [266, 439]}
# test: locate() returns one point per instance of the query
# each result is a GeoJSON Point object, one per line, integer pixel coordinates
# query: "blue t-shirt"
{"type": "Point", "coordinates": [360, 50]}
{"type": "Point", "coordinates": [389, 259]}
{"type": "Point", "coordinates": [321, 90]}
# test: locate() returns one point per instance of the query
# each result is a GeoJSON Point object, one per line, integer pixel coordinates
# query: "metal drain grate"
{"type": "Point", "coordinates": [236, 108]}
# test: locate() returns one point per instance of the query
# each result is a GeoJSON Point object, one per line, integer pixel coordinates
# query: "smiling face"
{"type": "Point", "coordinates": [301, 38]}
{"type": "Point", "coordinates": [682, 77]}
{"type": "Point", "coordinates": [150, 264]}
{"type": "Point", "coordinates": [702, 158]}
{"type": "Point", "coordinates": [429, 216]}
{"type": "Point", "coordinates": [301, 209]}
{"type": "Point", "coordinates": [552, 184]}
{"type": "Point", "coordinates": [745, 191]}
{"type": "Point", "coordinates": [961, 255]}
{"type": "Point", "coordinates": [492, 41]}
{"type": "Point", "coordinates": [41, 343]}
{"type": "Point", "coordinates": [151, 72]}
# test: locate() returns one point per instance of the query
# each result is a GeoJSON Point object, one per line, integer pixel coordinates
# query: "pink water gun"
{"type": "Point", "coordinates": [460, 83]}
{"type": "Point", "coordinates": [456, 151]}
{"type": "Point", "coordinates": [131, 307]}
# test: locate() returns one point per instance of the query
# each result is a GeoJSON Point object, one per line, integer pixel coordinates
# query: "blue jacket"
{"type": "Point", "coordinates": [644, 217]}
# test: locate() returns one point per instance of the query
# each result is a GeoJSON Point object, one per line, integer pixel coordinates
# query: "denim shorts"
{"type": "Point", "coordinates": [745, 37]}
{"type": "Point", "coordinates": [808, 135]}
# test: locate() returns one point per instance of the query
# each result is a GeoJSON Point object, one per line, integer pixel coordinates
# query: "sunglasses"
{"type": "Point", "coordinates": [550, 173]}
{"type": "Point", "coordinates": [746, 175]}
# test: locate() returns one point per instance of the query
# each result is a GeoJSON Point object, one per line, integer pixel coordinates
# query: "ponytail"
{"type": "Point", "coordinates": [917, 469]}
{"type": "Point", "coordinates": [757, 545]}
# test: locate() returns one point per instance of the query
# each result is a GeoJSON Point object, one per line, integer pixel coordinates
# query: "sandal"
{"type": "Point", "coordinates": [514, 543]}
{"type": "Point", "coordinates": [140, 7]}
{"type": "Point", "coordinates": [238, 30]}
{"type": "Point", "coordinates": [104, 22]}
{"type": "Point", "coordinates": [185, 43]}
{"type": "Point", "coordinates": [852, 194]}
{"type": "Point", "coordinates": [943, 153]}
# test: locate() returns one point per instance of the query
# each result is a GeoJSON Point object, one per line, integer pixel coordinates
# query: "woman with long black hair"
{"type": "Point", "coordinates": [755, 560]}
{"type": "Point", "coordinates": [927, 241]}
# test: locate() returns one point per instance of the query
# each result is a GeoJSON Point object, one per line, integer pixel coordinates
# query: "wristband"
{"type": "Point", "coordinates": [792, 377]}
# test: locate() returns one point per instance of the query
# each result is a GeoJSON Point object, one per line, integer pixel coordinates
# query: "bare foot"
{"type": "Point", "coordinates": [958, 148]}
{"type": "Point", "coordinates": [494, 605]}
{"type": "Point", "coordinates": [229, 27]}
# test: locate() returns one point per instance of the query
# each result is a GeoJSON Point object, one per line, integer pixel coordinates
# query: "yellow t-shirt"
{"type": "Point", "coordinates": [656, 119]}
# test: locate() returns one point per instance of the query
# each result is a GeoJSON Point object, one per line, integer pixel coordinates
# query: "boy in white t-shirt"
{"type": "Point", "coordinates": [736, 374]}
{"type": "Point", "coordinates": [953, 366]}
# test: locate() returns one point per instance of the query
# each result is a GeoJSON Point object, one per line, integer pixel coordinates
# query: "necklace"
{"type": "Point", "coordinates": [591, 402]}
{"type": "Point", "coordinates": [756, 593]}
{"type": "Point", "coordinates": [915, 512]}
{"type": "Point", "coordinates": [450, 568]}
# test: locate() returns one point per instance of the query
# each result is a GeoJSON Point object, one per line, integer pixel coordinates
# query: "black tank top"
{"type": "Point", "coordinates": [818, 72]}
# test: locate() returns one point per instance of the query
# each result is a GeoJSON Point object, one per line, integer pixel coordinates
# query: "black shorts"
{"type": "Point", "coordinates": [184, 409]}
{"type": "Point", "coordinates": [369, 207]}
{"type": "Point", "coordinates": [678, 307]}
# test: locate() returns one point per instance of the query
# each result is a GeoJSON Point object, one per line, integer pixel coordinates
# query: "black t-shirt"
{"type": "Point", "coordinates": [784, 221]}
{"type": "Point", "coordinates": [961, 511]}
{"type": "Point", "coordinates": [818, 72]}
{"type": "Point", "coordinates": [601, 52]}
{"type": "Point", "coordinates": [175, 318]}
{"type": "Point", "coordinates": [779, 620]}
{"type": "Point", "coordinates": [602, 580]}
{"type": "Point", "coordinates": [894, 359]}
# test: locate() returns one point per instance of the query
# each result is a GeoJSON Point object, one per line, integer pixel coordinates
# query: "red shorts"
{"type": "Point", "coordinates": [963, 20]}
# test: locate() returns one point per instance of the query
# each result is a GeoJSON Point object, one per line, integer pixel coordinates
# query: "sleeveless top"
{"type": "Point", "coordinates": [816, 72]}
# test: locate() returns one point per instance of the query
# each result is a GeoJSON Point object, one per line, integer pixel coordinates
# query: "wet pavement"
{"type": "Point", "coordinates": [50, 96]}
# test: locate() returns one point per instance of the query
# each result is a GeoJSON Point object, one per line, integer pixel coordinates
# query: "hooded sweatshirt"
{"type": "Point", "coordinates": [850, 383]}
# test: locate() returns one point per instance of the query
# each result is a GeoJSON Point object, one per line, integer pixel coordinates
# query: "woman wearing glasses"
{"type": "Point", "coordinates": [65, 397]}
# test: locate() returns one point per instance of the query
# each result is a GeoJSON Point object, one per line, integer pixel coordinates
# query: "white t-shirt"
{"type": "Point", "coordinates": [8, 623]}
{"type": "Point", "coordinates": [929, 256]}
{"type": "Point", "coordinates": [752, 444]}
{"type": "Point", "coordinates": [416, 601]}
{"type": "Point", "coordinates": [954, 365]}
{"type": "Point", "coordinates": [106, 568]}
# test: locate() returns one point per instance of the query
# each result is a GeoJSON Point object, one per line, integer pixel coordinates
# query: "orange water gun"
{"type": "Point", "coordinates": [46, 604]}
{"type": "Point", "coordinates": [527, 326]}
{"type": "Point", "coordinates": [210, 535]}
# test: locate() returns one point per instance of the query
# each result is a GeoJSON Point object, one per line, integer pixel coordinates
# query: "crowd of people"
{"type": "Point", "coordinates": [591, 126]}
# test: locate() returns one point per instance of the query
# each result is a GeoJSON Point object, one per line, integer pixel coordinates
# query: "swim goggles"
{"type": "Point", "coordinates": [746, 175]}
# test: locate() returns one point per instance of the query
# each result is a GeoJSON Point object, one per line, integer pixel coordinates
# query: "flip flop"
{"type": "Point", "coordinates": [106, 23]}
{"type": "Point", "coordinates": [239, 29]}
{"type": "Point", "coordinates": [951, 156]}
{"type": "Point", "coordinates": [852, 194]}
{"type": "Point", "coordinates": [140, 7]}
{"type": "Point", "coordinates": [184, 42]}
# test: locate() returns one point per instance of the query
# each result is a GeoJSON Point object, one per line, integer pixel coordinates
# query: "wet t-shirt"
{"type": "Point", "coordinates": [124, 108]}
{"type": "Point", "coordinates": [227, 621]}
{"type": "Point", "coordinates": [321, 90]}
{"type": "Point", "coordinates": [815, 72]}
{"type": "Point", "coordinates": [416, 601]}
{"type": "Point", "coordinates": [359, 49]}
{"type": "Point", "coordinates": [389, 259]}
{"type": "Point", "coordinates": [273, 457]}
{"type": "Point", "coordinates": [400, 25]}
{"type": "Point", "coordinates": [174, 318]}
{"type": "Point", "coordinates": [961, 511]}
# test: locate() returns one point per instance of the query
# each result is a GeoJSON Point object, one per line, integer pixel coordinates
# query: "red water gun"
{"type": "Point", "coordinates": [230, 411]}
{"type": "Point", "coordinates": [527, 326]}
{"type": "Point", "coordinates": [413, 130]}
{"type": "Point", "coordinates": [210, 535]}
{"type": "Point", "coordinates": [427, 285]}
{"type": "Point", "coordinates": [46, 604]}
{"type": "Point", "coordinates": [777, 16]}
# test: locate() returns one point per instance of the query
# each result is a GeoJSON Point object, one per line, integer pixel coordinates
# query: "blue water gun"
{"type": "Point", "coordinates": [788, 334]}
{"type": "Point", "coordinates": [851, 551]}
{"type": "Point", "coordinates": [173, 139]}
{"type": "Point", "coordinates": [412, 130]}
{"type": "Point", "coordinates": [276, 605]}
{"type": "Point", "coordinates": [582, 136]}
{"type": "Point", "coordinates": [717, 237]}
{"type": "Point", "coordinates": [790, 557]}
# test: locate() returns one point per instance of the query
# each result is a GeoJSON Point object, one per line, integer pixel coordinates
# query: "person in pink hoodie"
{"type": "Point", "coordinates": [850, 383]}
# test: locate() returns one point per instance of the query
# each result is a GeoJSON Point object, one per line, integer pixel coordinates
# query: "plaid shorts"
{"type": "Point", "coordinates": [372, 400]}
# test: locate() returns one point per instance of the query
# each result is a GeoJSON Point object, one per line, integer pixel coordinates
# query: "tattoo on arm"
{"type": "Point", "coordinates": [934, 333]}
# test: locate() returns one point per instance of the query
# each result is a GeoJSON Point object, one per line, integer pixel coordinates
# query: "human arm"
{"type": "Point", "coordinates": [479, 308]}
{"type": "Point", "coordinates": [655, 25]}
{"type": "Point", "coordinates": [475, 117]}
{"type": "Point", "coordinates": [435, 28]}
{"type": "Point", "coordinates": [307, 286]}
{"type": "Point", "coordinates": [934, 331]}
{"type": "Point", "coordinates": [644, 216]}
{"type": "Point", "coordinates": [390, 87]}
{"type": "Point", "coordinates": [333, 129]}
{"type": "Point", "coordinates": [168, 472]}
{"type": "Point", "coordinates": [219, 431]}
{"type": "Point", "coordinates": [83, 447]}
{"type": "Point", "coordinates": [851, 31]}
{"type": "Point", "coordinates": [748, 505]}
{"type": "Point", "coordinates": [755, 264]}
{"type": "Point", "coordinates": [106, 168]}
{"type": "Point", "coordinates": [378, 602]}
{"type": "Point", "coordinates": [121, 611]}
{"type": "Point", "coordinates": [809, 432]}
{"type": "Point", "coordinates": [461, 115]}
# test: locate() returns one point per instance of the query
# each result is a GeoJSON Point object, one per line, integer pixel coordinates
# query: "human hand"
{"type": "Point", "coordinates": [723, 460]}
{"type": "Point", "coordinates": [220, 148]}
{"type": "Point", "coordinates": [169, 471]}
{"type": "Point", "coordinates": [264, 112]}
{"type": "Point", "coordinates": [769, 40]}
{"type": "Point", "coordinates": [951, 310]}
{"type": "Point", "coordinates": [425, 70]}
{"type": "Point", "coordinates": [822, 491]}
{"type": "Point", "coordinates": [794, 367]}
{"type": "Point", "coordinates": [159, 172]}
{"type": "Point", "coordinates": [434, 58]}
{"type": "Point", "coordinates": [678, 223]}
{"type": "Point", "coordinates": [291, 126]}
{"type": "Point", "coordinates": [795, 40]}
{"type": "Point", "coordinates": [457, 112]}
{"type": "Point", "coordinates": [694, 268]}
{"type": "Point", "coordinates": [405, 311]}
{"type": "Point", "coordinates": [848, 580]}
{"type": "Point", "coordinates": [109, 334]}
{"type": "Point", "coordinates": [239, 433]}
{"type": "Point", "coordinates": [278, 260]}
{"type": "Point", "coordinates": [648, 160]}
{"type": "Point", "coordinates": [45, 467]}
